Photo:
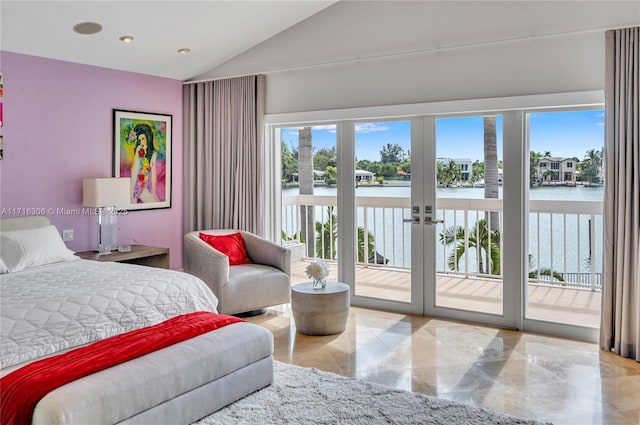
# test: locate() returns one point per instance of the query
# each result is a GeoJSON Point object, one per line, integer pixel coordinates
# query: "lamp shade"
{"type": "Point", "coordinates": [106, 192]}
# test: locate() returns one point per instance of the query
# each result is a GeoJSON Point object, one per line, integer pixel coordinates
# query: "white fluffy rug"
{"type": "Point", "coordinates": [310, 396]}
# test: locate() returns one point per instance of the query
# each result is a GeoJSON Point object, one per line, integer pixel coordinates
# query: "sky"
{"type": "Point", "coordinates": [564, 134]}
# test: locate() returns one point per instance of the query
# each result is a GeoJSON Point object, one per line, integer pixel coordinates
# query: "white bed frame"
{"type": "Point", "coordinates": [203, 374]}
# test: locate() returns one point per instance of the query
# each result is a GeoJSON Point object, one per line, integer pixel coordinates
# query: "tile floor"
{"type": "Point", "coordinates": [554, 304]}
{"type": "Point", "coordinates": [546, 378]}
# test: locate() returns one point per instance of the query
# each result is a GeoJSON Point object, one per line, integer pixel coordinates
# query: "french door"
{"type": "Point", "coordinates": [379, 212]}
{"type": "Point", "coordinates": [436, 215]}
{"type": "Point", "coordinates": [415, 241]}
{"type": "Point", "coordinates": [386, 246]}
{"type": "Point", "coordinates": [465, 223]}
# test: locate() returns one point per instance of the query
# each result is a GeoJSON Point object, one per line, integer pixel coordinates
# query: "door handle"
{"type": "Point", "coordinates": [429, 220]}
{"type": "Point", "coordinates": [413, 220]}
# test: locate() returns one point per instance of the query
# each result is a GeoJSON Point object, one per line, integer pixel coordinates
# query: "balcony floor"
{"type": "Point", "coordinates": [562, 305]}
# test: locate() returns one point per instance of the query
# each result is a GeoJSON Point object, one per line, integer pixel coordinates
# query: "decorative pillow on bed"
{"type": "Point", "coordinates": [22, 249]}
{"type": "Point", "coordinates": [230, 245]}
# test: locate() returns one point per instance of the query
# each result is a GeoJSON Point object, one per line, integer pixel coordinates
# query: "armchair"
{"type": "Point", "coordinates": [242, 288]}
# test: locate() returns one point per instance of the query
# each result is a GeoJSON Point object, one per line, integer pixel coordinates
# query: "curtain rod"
{"type": "Point", "coordinates": [434, 50]}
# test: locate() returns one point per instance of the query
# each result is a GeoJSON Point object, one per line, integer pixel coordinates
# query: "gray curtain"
{"type": "Point", "coordinates": [223, 136]}
{"type": "Point", "coordinates": [620, 327]}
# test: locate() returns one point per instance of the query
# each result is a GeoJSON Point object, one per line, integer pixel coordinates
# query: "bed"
{"type": "Point", "coordinates": [53, 302]}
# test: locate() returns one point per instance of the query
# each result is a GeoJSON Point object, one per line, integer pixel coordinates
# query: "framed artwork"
{"type": "Point", "coordinates": [142, 152]}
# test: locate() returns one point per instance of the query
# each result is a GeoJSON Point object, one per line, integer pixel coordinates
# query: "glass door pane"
{"type": "Point", "coordinates": [383, 208]}
{"type": "Point", "coordinates": [468, 210]}
{"type": "Point", "coordinates": [309, 197]}
{"type": "Point", "coordinates": [566, 192]}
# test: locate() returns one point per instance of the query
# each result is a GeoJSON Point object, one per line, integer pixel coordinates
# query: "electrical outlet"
{"type": "Point", "coordinates": [67, 235]}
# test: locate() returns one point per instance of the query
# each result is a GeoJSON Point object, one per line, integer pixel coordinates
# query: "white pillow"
{"type": "Point", "coordinates": [22, 249]}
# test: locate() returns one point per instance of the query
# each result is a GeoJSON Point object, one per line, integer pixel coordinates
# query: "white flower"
{"type": "Point", "coordinates": [317, 270]}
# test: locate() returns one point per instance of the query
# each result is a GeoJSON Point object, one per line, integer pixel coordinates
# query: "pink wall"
{"type": "Point", "coordinates": [58, 129]}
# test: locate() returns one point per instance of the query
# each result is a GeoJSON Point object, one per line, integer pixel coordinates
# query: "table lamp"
{"type": "Point", "coordinates": [106, 195]}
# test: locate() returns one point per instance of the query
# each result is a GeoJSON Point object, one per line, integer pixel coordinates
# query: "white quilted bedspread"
{"type": "Point", "coordinates": [61, 306]}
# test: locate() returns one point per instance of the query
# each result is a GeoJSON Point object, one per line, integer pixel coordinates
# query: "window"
{"type": "Point", "coordinates": [565, 218]}
{"type": "Point", "coordinates": [562, 216]}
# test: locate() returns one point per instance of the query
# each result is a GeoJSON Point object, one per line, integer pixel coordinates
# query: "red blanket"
{"type": "Point", "coordinates": [23, 388]}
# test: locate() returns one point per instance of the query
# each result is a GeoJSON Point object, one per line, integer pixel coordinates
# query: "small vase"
{"type": "Point", "coordinates": [319, 283]}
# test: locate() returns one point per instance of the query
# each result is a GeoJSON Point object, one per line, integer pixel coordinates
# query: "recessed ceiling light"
{"type": "Point", "coordinates": [87, 28]}
{"type": "Point", "coordinates": [184, 51]}
{"type": "Point", "coordinates": [126, 38]}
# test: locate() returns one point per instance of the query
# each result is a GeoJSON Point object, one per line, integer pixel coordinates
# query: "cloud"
{"type": "Point", "coordinates": [331, 128]}
{"type": "Point", "coordinates": [370, 127]}
{"type": "Point", "coordinates": [600, 124]}
{"type": "Point", "coordinates": [360, 128]}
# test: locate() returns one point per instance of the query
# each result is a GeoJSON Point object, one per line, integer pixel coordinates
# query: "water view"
{"type": "Point", "coordinates": [560, 193]}
{"type": "Point", "coordinates": [565, 197]}
{"type": "Point", "coordinates": [558, 241]}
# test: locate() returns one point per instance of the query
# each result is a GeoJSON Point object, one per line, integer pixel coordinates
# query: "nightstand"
{"type": "Point", "coordinates": [140, 254]}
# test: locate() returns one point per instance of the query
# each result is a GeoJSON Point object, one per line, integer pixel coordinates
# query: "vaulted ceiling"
{"type": "Point", "coordinates": [240, 37]}
{"type": "Point", "coordinates": [215, 31]}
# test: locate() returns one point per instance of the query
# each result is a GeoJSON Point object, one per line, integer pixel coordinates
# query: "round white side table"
{"type": "Point", "coordinates": [320, 311]}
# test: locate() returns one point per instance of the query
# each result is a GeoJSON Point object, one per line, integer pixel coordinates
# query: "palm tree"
{"type": "Point", "coordinates": [534, 274]}
{"type": "Point", "coordinates": [371, 246]}
{"type": "Point", "coordinates": [491, 184]}
{"type": "Point", "coordinates": [477, 172]}
{"type": "Point", "coordinates": [451, 172]}
{"type": "Point", "coordinates": [327, 237]}
{"type": "Point", "coordinates": [305, 183]}
{"type": "Point", "coordinates": [440, 172]}
{"type": "Point", "coordinates": [547, 272]}
{"type": "Point", "coordinates": [289, 163]}
{"type": "Point", "coordinates": [534, 164]}
{"type": "Point", "coordinates": [549, 175]}
{"type": "Point", "coordinates": [592, 164]}
{"type": "Point", "coordinates": [297, 236]}
{"type": "Point", "coordinates": [484, 241]}
{"type": "Point", "coordinates": [595, 156]}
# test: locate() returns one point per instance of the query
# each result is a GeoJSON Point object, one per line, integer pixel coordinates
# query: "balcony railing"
{"type": "Point", "coordinates": [565, 237]}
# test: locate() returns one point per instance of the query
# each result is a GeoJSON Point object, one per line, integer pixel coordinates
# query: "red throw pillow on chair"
{"type": "Point", "coordinates": [230, 245]}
